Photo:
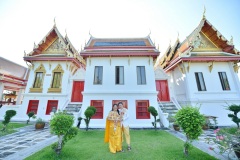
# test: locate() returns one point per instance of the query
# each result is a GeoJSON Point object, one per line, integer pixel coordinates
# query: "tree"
{"type": "Point", "coordinates": [8, 115]}
{"type": "Point", "coordinates": [235, 109]}
{"type": "Point", "coordinates": [89, 112]}
{"type": "Point", "coordinates": [191, 121]}
{"type": "Point", "coordinates": [154, 113]}
{"type": "Point", "coordinates": [61, 125]}
{"type": "Point", "coordinates": [30, 115]}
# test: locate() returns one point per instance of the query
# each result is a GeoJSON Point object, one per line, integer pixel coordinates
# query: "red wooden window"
{"type": "Point", "coordinates": [50, 105]}
{"type": "Point", "coordinates": [142, 109]}
{"type": "Point", "coordinates": [125, 104]}
{"type": "Point", "coordinates": [78, 87]}
{"type": "Point", "coordinates": [98, 104]}
{"type": "Point", "coordinates": [33, 106]}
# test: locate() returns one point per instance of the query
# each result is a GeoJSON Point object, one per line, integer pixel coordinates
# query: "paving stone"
{"type": "Point", "coordinates": [5, 154]}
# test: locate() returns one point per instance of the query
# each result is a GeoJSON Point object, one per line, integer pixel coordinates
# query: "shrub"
{"type": "Point", "coordinates": [190, 120]}
{"type": "Point", "coordinates": [8, 115]}
{"type": "Point", "coordinates": [235, 109]}
{"type": "Point", "coordinates": [30, 115]}
{"type": "Point", "coordinates": [154, 113]}
{"type": "Point", "coordinates": [89, 112]}
{"type": "Point", "coordinates": [61, 125]}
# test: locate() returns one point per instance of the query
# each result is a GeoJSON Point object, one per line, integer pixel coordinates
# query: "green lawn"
{"type": "Point", "coordinates": [146, 144]}
{"type": "Point", "coordinates": [10, 128]}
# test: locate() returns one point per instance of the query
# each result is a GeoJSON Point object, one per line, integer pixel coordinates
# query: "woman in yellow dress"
{"type": "Point", "coordinates": [113, 132]}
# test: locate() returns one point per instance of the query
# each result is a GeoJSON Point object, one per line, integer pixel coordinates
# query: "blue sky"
{"type": "Point", "coordinates": [27, 21]}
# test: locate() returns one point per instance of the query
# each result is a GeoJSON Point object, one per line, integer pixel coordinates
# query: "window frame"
{"type": "Point", "coordinates": [58, 69]}
{"type": "Point", "coordinates": [30, 105]}
{"type": "Point", "coordinates": [97, 82]}
{"type": "Point", "coordinates": [118, 75]}
{"type": "Point", "coordinates": [39, 88]}
{"type": "Point", "coordinates": [225, 87]}
{"type": "Point", "coordinates": [96, 116]}
{"type": "Point", "coordinates": [140, 70]}
{"type": "Point", "coordinates": [200, 81]}
{"type": "Point", "coordinates": [50, 107]}
{"type": "Point", "coordinates": [147, 116]}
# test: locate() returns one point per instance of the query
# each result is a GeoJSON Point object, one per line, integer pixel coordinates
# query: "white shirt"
{"type": "Point", "coordinates": [125, 121]}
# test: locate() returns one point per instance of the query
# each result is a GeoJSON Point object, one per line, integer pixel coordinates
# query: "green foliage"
{"type": "Point", "coordinates": [61, 125]}
{"type": "Point", "coordinates": [190, 120]}
{"type": "Point", "coordinates": [154, 113]}
{"type": "Point", "coordinates": [30, 115]}
{"type": "Point", "coordinates": [89, 112]}
{"type": "Point", "coordinates": [8, 115]}
{"type": "Point", "coordinates": [235, 109]}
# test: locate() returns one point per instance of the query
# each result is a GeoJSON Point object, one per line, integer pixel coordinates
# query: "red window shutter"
{"type": "Point", "coordinates": [142, 109]}
{"type": "Point", "coordinates": [50, 105]}
{"type": "Point", "coordinates": [33, 106]}
{"type": "Point", "coordinates": [98, 104]}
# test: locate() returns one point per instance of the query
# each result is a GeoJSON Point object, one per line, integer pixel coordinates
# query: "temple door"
{"type": "Point", "coordinates": [78, 87]}
{"type": "Point", "coordinates": [162, 88]}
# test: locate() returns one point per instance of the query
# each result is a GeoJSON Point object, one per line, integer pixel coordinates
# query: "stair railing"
{"type": "Point", "coordinates": [65, 104]}
{"type": "Point", "coordinates": [163, 119]}
{"type": "Point", "coordinates": [175, 102]}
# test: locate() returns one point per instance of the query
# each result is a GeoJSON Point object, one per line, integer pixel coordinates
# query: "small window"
{"type": "Point", "coordinates": [33, 106]}
{"type": "Point", "coordinates": [98, 75]}
{"type": "Point", "coordinates": [98, 104]}
{"type": "Point", "coordinates": [142, 109]}
{"type": "Point", "coordinates": [224, 80]}
{"type": "Point", "coordinates": [200, 81]}
{"type": "Point", "coordinates": [141, 76]}
{"type": "Point", "coordinates": [52, 105]}
{"type": "Point", "coordinates": [38, 80]}
{"type": "Point", "coordinates": [56, 83]}
{"type": "Point", "coordinates": [119, 75]}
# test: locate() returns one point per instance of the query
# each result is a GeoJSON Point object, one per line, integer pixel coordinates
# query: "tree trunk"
{"type": "Point", "coordinates": [59, 146]}
{"type": "Point", "coordinates": [155, 123]}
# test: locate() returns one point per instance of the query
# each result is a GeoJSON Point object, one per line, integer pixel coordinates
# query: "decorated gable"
{"type": "Point", "coordinates": [56, 47]}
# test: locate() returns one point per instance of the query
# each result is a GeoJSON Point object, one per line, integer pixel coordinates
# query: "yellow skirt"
{"type": "Point", "coordinates": [115, 137]}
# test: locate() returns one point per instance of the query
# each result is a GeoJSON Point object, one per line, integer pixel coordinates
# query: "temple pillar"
{"type": "Point", "coordinates": [19, 96]}
{"type": "Point", "coordinates": [1, 90]}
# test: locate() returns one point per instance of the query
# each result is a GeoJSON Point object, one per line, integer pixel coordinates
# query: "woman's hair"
{"type": "Point", "coordinates": [117, 109]}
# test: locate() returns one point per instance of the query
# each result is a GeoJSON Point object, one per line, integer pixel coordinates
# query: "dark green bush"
{"type": "Point", "coordinates": [154, 113]}
{"type": "Point", "coordinates": [89, 112]}
{"type": "Point", "coordinates": [8, 115]}
{"type": "Point", "coordinates": [235, 109]}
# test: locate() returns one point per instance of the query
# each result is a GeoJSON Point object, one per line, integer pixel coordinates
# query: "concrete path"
{"type": "Point", "coordinates": [25, 142]}
{"type": "Point", "coordinates": [203, 145]}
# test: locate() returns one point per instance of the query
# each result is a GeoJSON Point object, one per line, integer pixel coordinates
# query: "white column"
{"type": "Point", "coordinates": [19, 96]}
{"type": "Point", "coordinates": [1, 90]}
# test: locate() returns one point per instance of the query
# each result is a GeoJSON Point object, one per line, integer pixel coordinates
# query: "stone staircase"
{"type": "Point", "coordinates": [168, 107]}
{"type": "Point", "coordinates": [73, 108]}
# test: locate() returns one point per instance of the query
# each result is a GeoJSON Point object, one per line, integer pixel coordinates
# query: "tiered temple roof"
{"type": "Point", "coordinates": [55, 47]}
{"type": "Point", "coordinates": [205, 44]}
{"type": "Point", "coordinates": [119, 47]}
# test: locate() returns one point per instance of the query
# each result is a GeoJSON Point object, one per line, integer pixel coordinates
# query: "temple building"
{"type": "Point", "coordinates": [198, 71]}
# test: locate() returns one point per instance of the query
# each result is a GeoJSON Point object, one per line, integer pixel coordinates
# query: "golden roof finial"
{"type": "Point", "coordinates": [66, 32]}
{"type": "Point", "coordinates": [204, 12]}
{"type": "Point", "coordinates": [158, 47]}
{"type": "Point", "coordinates": [54, 21]}
{"type": "Point", "coordinates": [177, 35]}
{"type": "Point", "coordinates": [25, 54]}
{"type": "Point", "coordinates": [149, 32]}
{"type": "Point", "coordinates": [231, 40]}
{"type": "Point", "coordinates": [90, 33]}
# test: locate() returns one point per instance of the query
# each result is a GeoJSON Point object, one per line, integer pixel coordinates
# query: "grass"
{"type": "Point", "coordinates": [11, 128]}
{"type": "Point", "coordinates": [146, 144]}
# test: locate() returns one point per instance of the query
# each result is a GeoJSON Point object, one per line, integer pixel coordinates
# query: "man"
{"type": "Point", "coordinates": [125, 125]}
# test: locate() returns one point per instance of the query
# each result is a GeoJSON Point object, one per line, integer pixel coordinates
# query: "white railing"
{"type": "Point", "coordinates": [65, 104]}
{"type": "Point", "coordinates": [162, 116]}
{"type": "Point", "coordinates": [175, 102]}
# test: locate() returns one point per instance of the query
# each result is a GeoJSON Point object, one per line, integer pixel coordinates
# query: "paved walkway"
{"type": "Point", "coordinates": [203, 145]}
{"type": "Point", "coordinates": [25, 142]}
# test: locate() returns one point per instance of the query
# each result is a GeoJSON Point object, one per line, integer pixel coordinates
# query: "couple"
{"type": "Point", "coordinates": [116, 123]}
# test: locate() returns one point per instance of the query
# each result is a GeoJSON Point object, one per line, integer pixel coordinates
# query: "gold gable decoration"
{"type": "Point", "coordinates": [57, 69]}
{"type": "Point", "coordinates": [202, 42]}
{"type": "Point", "coordinates": [40, 69]}
{"type": "Point", "coordinates": [56, 47]}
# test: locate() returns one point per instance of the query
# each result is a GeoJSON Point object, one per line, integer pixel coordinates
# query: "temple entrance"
{"type": "Point", "coordinates": [162, 88]}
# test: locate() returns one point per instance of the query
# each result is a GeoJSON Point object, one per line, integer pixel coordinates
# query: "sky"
{"type": "Point", "coordinates": [23, 22]}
